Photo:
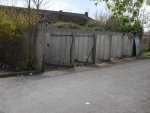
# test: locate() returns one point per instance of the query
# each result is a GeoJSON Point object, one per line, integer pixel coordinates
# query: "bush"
{"type": "Point", "coordinates": [96, 25]}
{"type": "Point", "coordinates": [68, 25]}
{"type": "Point", "coordinates": [13, 26]}
{"type": "Point", "coordinates": [115, 24]}
{"type": "Point", "coordinates": [122, 24]}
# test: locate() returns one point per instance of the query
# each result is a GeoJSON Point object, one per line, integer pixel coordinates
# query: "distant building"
{"type": "Point", "coordinates": [60, 16]}
{"type": "Point", "coordinates": [49, 16]}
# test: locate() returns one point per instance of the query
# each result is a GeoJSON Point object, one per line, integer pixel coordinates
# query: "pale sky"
{"type": "Point", "coordinates": [75, 6]}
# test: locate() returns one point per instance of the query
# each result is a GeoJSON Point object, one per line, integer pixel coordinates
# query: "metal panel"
{"type": "Point", "coordinates": [58, 51]}
{"type": "Point", "coordinates": [107, 48]}
{"type": "Point", "coordinates": [117, 46]}
{"type": "Point", "coordinates": [83, 47]}
{"type": "Point", "coordinates": [130, 47]}
{"type": "Point", "coordinates": [103, 47]}
{"type": "Point", "coordinates": [125, 45]}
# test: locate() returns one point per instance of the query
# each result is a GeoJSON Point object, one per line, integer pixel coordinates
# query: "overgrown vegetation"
{"type": "Point", "coordinates": [13, 26]}
{"type": "Point", "coordinates": [122, 24]}
{"type": "Point", "coordinates": [68, 25]}
{"type": "Point", "coordinates": [113, 24]}
{"type": "Point", "coordinates": [96, 25]}
{"type": "Point", "coordinates": [126, 13]}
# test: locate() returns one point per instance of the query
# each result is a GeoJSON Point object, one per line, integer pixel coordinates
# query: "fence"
{"type": "Point", "coordinates": [65, 46]}
{"type": "Point", "coordinates": [113, 45]}
{"type": "Point", "coordinates": [145, 44]}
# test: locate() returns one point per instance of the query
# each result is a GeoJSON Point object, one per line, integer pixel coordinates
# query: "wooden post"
{"type": "Point", "coordinates": [110, 47]}
{"type": "Point", "coordinates": [123, 36]}
{"type": "Point", "coordinates": [94, 49]}
{"type": "Point", "coordinates": [72, 51]}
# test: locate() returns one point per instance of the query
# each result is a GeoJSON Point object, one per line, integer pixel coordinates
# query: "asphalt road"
{"type": "Point", "coordinates": [124, 88]}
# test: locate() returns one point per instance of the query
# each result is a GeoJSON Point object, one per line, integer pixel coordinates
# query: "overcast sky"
{"type": "Point", "coordinates": [76, 6]}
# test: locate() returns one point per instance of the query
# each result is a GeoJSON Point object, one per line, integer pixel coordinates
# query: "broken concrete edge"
{"type": "Point", "coordinates": [22, 73]}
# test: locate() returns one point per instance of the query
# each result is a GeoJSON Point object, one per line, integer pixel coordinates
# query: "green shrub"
{"type": "Point", "coordinates": [13, 26]}
{"type": "Point", "coordinates": [112, 24]}
{"type": "Point", "coordinates": [96, 25]}
{"type": "Point", "coordinates": [115, 24]}
{"type": "Point", "coordinates": [122, 24]}
{"type": "Point", "coordinates": [68, 25]}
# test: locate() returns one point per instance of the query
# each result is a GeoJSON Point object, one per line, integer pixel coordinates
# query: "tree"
{"type": "Point", "coordinates": [40, 3]}
{"type": "Point", "coordinates": [128, 10]}
{"type": "Point", "coordinates": [144, 16]}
